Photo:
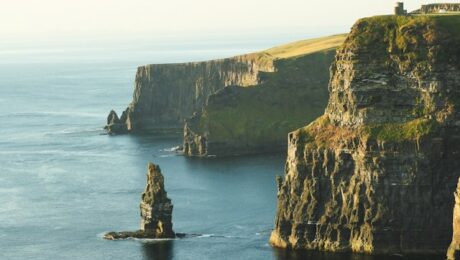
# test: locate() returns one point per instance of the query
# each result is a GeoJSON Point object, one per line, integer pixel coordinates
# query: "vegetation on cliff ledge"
{"type": "Point", "coordinates": [322, 133]}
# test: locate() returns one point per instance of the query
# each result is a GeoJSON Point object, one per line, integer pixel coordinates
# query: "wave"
{"type": "Point", "coordinates": [172, 149]}
{"type": "Point", "coordinates": [178, 236]}
{"type": "Point", "coordinates": [213, 236]}
{"type": "Point", "coordinates": [166, 155]}
{"type": "Point", "coordinates": [144, 240]}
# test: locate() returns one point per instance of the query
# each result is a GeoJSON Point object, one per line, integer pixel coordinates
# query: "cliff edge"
{"type": "Point", "coordinates": [166, 94]}
{"type": "Point", "coordinates": [376, 172]}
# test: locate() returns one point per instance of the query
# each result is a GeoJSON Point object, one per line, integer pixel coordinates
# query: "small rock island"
{"type": "Point", "coordinates": [156, 210]}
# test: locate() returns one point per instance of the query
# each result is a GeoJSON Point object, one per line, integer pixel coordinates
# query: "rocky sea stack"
{"type": "Point", "coordinates": [156, 210]}
{"type": "Point", "coordinates": [376, 172]}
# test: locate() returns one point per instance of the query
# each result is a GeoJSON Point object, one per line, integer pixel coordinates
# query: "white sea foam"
{"type": "Point", "coordinates": [171, 149]}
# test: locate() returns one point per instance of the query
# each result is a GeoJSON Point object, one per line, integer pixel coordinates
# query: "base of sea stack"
{"type": "Point", "coordinates": [140, 234]}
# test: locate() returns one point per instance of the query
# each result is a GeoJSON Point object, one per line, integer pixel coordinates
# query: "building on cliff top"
{"type": "Point", "coordinates": [438, 8]}
{"type": "Point", "coordinates": [399, 9]}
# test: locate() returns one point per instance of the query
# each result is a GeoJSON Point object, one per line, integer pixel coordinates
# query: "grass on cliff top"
{"type": "Point", "coordinates": [401, 41]}
{"type": "Point", "coordinates": [306, 46]}
{"type": "Point", "coordinates": [295, 49]}
{"type": "Point", "coordinates": [381, 29]}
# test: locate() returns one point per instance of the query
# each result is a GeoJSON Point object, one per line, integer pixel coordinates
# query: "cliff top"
{"type": "Point", "coordinates": [395, 78]}
{"type": "Point", "coordinates": [298, 48]}
{"type": "Point", "coordinates": [375, 24]}
{"type": "Point", "coordinates": [305, 46]}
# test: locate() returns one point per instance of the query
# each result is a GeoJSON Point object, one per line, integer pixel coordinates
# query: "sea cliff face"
{"type": "Point", "coordinates": [238, 120]}
{"type": "Point", "coordinates": [166, 94]}
{"type": "Point", "coordinates": [376, 172]}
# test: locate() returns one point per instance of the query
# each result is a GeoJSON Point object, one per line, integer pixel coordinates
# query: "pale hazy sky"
{"type": "Point", "coordinates": [121, 17]}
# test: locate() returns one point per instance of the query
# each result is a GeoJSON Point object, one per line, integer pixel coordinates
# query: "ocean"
{"type": "Point", "coordinates": [64, 182]}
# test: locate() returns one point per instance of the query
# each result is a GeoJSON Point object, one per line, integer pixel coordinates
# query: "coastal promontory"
{"type": "Point", "coordinates": [377, 171]}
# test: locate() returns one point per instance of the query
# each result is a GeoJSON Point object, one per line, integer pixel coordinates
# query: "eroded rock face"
{"type": "Point", "coordinates": [156, 210]}
{"type": "Point", "coordinates": [116, 125]}
{"type": "Point", "coordinates": [156, 207]}
{"type": "Point", "coordinates": [166, 94]}
{"type": "Point", "coordinates": [376, 172]}
{"type": "Point", "coordinates": [453, 253]}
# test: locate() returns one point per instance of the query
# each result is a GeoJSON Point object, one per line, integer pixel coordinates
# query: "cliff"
{"type": "Point", "coordinates": [238, 120]}
{"type": "Point", "coordinates": [166, 94]}
{"type": "Point", "coordinates": [453, 252]}
{"type": "Point", "coordinates": [376, 172]}
{"type": "Point", "coordinates": [156, 210]}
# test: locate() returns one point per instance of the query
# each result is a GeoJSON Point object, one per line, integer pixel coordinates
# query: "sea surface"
{"type": "Point", "coordinates": [63, 182]}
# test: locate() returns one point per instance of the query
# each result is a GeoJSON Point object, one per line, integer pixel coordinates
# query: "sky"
{"type": "Point", "coordinates": [87, 18]}
{"type": "Point", "coordinates": [116, 26]}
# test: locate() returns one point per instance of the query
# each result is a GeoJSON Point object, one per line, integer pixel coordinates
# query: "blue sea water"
{"type": "Point", "coordinates": [63, 182]}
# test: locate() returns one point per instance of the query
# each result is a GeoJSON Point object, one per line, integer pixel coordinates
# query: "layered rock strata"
{"type": "Point", "coordinates": [166, 94]}
{"type": "Point", "coordinates": [376, 172]}
{"type": "Point", "coordinates": [156, 210]}
{"type": "Point", "coordinates": [453, 253]}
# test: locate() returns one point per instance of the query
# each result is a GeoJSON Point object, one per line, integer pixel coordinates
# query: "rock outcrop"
{"type": "Point", "coordinates": [453, 253]}
{"type": "Point", "coordinates": [166, 94]}
{"type": "Point", "coordinates": [116, 125]}
{"type": "Point", "coordinates": [376, 172]}
{"type": "Point", "coordinates": [156, 210]}
{"type": "Point", "coordinates": [238, 120]}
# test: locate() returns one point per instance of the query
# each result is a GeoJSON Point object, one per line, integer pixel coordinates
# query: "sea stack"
{"type": "Point", "coordinates": [156, 210]}
{"type": "Point", "coordinates": [375, 174]}
{"type": "Point", "coordinates": [453, 252]}
{"type": "Point", "coordinates": [116, 125]}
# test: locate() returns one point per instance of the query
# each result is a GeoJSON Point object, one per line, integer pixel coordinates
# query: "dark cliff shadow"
{"type": "Point", "coordinates": [282, 254]}
{"type": "Point", "coordinates": [158, 250]}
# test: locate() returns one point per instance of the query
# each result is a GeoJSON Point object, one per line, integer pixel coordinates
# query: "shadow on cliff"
{"type": "Point", "coordinates": [158, 250]}
{"type": "Point", "coordinates": [282, 254]}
